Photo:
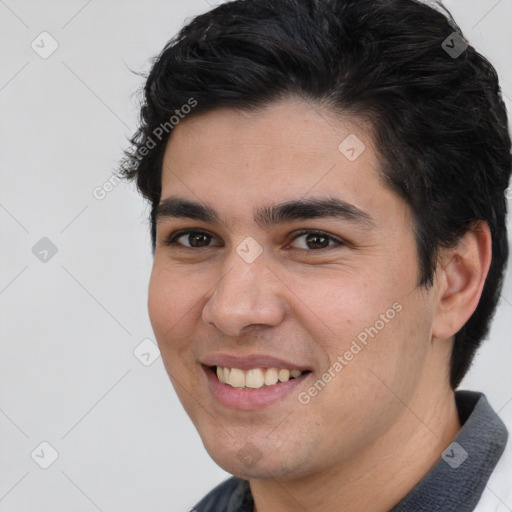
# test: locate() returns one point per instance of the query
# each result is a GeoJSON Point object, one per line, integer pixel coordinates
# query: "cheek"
{"type": "Point", "coordinates": [375, 322]}
{"type": "Point", "coordinates": [173, 310]}
{"type": "Point", "coordinates": [160, 303]}
{"type": "Point", "coordinates": [172, 304]}
{"type": "Point", "coordinates": [345, 304]}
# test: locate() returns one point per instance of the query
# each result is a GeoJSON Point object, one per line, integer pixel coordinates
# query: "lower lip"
{"type": "Point", "coordinates": [250, 399]}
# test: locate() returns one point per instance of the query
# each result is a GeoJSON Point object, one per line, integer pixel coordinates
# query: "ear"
{"type": "Point", "coordinates": [460, 276]}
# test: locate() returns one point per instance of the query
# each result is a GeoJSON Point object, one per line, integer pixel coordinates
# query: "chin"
{"type": "Point", "coordinates": [245, 460]}
{"type": "Point", "coordinates": [259, 470]}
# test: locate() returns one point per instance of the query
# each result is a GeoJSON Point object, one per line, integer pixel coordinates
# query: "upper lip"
{"type": "Point", "coordinates": [250, 361]}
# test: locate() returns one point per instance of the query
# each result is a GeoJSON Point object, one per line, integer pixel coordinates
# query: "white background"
{"type": "Point", "coordinates": [69, 326]}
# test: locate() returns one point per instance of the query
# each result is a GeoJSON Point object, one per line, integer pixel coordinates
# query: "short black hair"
{"type": "Point", "coordinates": [433, 102]}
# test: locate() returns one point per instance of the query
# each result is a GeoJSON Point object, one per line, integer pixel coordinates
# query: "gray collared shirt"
{"type": "Point", "coordinates": [454, 484]}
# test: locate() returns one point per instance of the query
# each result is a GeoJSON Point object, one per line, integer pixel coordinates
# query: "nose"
{"type": "Point", "coordinates": [247, 294]}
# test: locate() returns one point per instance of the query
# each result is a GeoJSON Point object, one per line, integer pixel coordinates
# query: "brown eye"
{"type": "Point", "coordinates": [190, 239]}
{"type": "Point", "coordinates": [198, 239]}
{"type": "Point", "coordinates": [316, 240]}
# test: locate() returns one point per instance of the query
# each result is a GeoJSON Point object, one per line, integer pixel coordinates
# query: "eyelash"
{"type": "Point", "coordinates": [172, 239]}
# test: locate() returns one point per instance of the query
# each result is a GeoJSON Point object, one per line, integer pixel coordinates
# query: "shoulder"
{"type": "Point", "coordinates": [497, 495]}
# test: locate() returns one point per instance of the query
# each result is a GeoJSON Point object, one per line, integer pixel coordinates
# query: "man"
{"type": "Point", "coordinates": [327, 182]}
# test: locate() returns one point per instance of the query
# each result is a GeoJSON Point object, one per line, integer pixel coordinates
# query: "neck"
{"type": "Point", "coordinates": [383, 473]}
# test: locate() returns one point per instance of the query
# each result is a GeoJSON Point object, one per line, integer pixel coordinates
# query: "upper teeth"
{"type": "Point", "coordinates": [256, 377]}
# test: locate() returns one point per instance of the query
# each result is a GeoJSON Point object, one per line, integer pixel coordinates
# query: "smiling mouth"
{"type": "Point", "coordinates": [255, 378]}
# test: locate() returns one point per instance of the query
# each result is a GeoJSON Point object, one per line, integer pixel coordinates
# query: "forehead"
{"type": "Point", "coordinates": [290, 129]}
{"type": "Point", "coordinates": [286, 151]}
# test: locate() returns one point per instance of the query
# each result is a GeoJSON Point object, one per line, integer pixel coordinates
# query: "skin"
{"type": "Point", "coordinates": [381, 423]}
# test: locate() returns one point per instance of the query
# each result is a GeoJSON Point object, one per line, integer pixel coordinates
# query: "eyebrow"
{"type": "Point", "coordinates": [267, 216]}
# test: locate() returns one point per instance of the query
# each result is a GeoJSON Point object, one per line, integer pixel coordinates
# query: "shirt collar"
{"type": "Point", "coordinates": [458, 479]}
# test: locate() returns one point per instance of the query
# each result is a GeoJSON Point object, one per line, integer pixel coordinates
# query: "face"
{"type": "Point", "coordinates": [281, 257]}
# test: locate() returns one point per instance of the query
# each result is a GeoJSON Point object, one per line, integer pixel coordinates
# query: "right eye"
{"type": "Point", "coordinates": [196, 239]}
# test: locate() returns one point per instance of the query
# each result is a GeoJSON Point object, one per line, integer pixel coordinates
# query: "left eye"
{"type": "Point", "coordinates": [316, 240]}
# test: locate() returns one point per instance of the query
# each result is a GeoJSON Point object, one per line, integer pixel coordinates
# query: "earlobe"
{"type": "Point", "coordinates": [461, 275]}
